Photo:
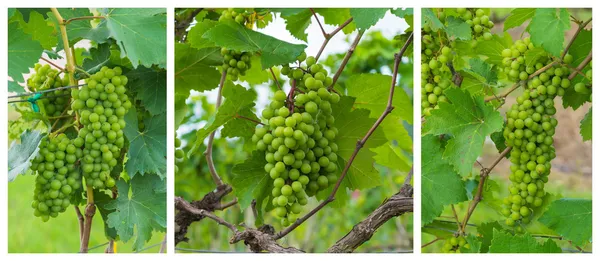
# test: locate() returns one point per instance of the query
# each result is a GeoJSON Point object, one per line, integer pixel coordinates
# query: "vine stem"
{"type": "Point", "coordinates": [275, 78]}
{"type": "Point", "coordinates": [519, 84]}
{"type": "Point", "coordinates": [582, 65]}
{"type": "Point", "coordinates": [346, 58]}
{"type": "Point", "coordinates": [63, 33]}
{"type": "Point", "coordinates": [579, 29]}
{"type": "Point", "coordinates": [53, 64]}
{"type": "Point", "coordinates": [431, 242]}
{"type": "Point", "coordinates": [482, 178]}
{"type": "Point", "coordinates": [319, 22]}
{"type": "Point", "coordinates": [359, 144]}
{"type": "Point", "coordinates": [330, 35]}
{"type": "Point", "coordinates": [208, 153]}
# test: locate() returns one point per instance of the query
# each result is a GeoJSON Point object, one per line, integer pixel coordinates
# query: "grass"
{"type": "Point", "coordinates": [28, 234]}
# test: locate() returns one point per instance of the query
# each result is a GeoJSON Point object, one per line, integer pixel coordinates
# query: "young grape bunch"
{"type": "Point", "coordinates": [101, 106]}
{"type": "Point", "coordinates": [239, 15]}
{"type": "Point", "coordinates": [529, 130]}
{"type": "Point", "coordinates": [478, 20]}
{"type": "Point", "coordinates": [236, 63]}
{"type": "Point", "coordinates": [179, 154]}
{"type": "Point", "coordinates": [57, 176]}
{"type": "Point", "coordinates": [453, 244]}
{"type": "Point", "coordinates": [45, 78]}
{"type": "Point", "coordinates": [435, 73]}
{"type": "Point", "coordinates": [299, 139]}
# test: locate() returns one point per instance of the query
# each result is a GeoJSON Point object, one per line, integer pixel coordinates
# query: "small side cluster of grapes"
{"type": "Point", "coordinates": [299, 139]}
{"type": "Point", "coordinates": [453, 244]}
{"type": "Point", "coordinates": [236, 63]}
{"type": "Point", "coordinates": [239, 15]}
{"type": "Point", "coordinates": [436, 52]}
{"type": "Point", "coordinates": [58, 176]}
{"type": "Point", "coordinates": [179, 154]}
{"type": "Point", "coordinates": [101, 106]}
{"type": "Point", "coordinates": [529, 130]}
{"type": "Point", "coordinates": [582, 87]}
{"type": "Point", "coordinates": [480, 23]}
{"type": "Point", "coordinates": [45, 78]}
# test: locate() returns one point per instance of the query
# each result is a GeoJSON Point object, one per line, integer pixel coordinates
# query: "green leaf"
{"type": "Point", "coordinates": [430, 19]}
{"type": "Point", "coordinates": [364, 18]}
{"type": "Point", "coordinates": [493, 48]}
{"type": "Point", "coordinates": [23, 52]}
{"type": "Point", "coordinates": [272, 50]}
{"type": "Point", "coordinates": [474, 245]}
{"type": "Point", "coordinates": [392, 157]}
{"type": "Point", "coordinates": [337, 16]}
{"type": "Point", "coordinates": [79, 29]}
{"type": "Point", "coordinates": [581, 47]}
{"type": "Point", "coordinates": [394, 131]}
{"type": "Point", "coordinates": [15, 87]}
{"type": "Point", "coordinates": [458, 28]}
{"type": "Point", "coordinates": [256, 74]}
{"type": "Point", "coordinates": [570, 218]}
{"type": "Point", "coordinates": [372, 92]}
{"type": "Point", "coordinates": [469, 120]}
{"type": "Point", "coordinates": [140, 208]}
{"type": "Point", "coordinates": [148, 148]}
{"type": "Point", "coordinates": [402, 13]}
{"type": "Point", "coordinates": [486, 232]}
{"type": "Point", "coordinates": [533, 56]}
{"type": "Point", "coordinates": [237, 102]}
{"type": "Point", "coordinates": [297, 24]}
{"type": "Point", "coordinates": [440, 229]}
{"type": "Point", "coordinates": [548, 27]}
{"type": "Point", "coordinates": [40, 31]}
{"type": "Point", "coordinates": [438, 180]}
{"type": "Point", "coordinates": [517, 17]}
{"type": "Point", "coordinates": [251, 181]}
{"type": "Point", "coordinates": [193, 69]}
{"type": "Point", "coordinates": [101, 200]}
{"type": "Point", "coordinates": [99, 56]}
{"type": "Point", "coordinates": [586, 126]}
{"type": "Point", "coordinates": [573, 99]}
{"type": "Point", "coordinates": [140, 33]}
{"type": "Point", "coordinates": [482, 71]}
{"type": "Point", "coordinates": [21, 154]}
{"type": "Point", "coordinates": [150, 87]}
{"type": "Point", "coordinates": [499, 141]}
{"type": "Point", "coordinates": [506, 243]}
{"type": "Point", "coordinates": [194, 37]}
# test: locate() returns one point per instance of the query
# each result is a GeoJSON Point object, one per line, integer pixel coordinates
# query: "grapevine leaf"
{"type": "Point", "coordinates": [402, 13]}
{"type": "Point", "coordinates": [534, 55]}
{"type": "Point", "coordinates": [493, 48]}
{"type": "Point", "coordinates": [150, 87]}
{"type": "Point", "coordinates": [195, 34]}
{"type": "Point", "coordinates": [364, 18]}
{"type": "Point", "coordinates": [581, 47]}
{"type": "Point", "coordinates": [517, 17]}
{"type": "Point", "coordinates": [482, 71]}
{"type": "Point", "coordinates": [486, 230]}
{"type": "Point", "coordinates": [573, 99]}
{"type": "Point", "coordinates": [251, 181]}
{"type": "Point", "coordinates": [469, 120]}
{"type": "Point", "coordinates": [23, 52]}
{"type": "Point", "coordinates": [297, 24]}
{"type": "Point", "coordinates": [429, 18]}
{"type": "Point", "coordinates": [474, 245]}
{"type": "Point", "coordinates": [352, 126]}
{"type": "Point", "coordinates": [40, 31]}
{"type": "Point", "coordinates": [181, 110]}
{"type": "Point", "coordinates": [148, 148]}
{"type": "Point", "coordinates": [392, 157]}
{"type": "Point", "coordinates": [15, 87]}
{"type": "Point", "coordinates": [272, 50]}
{"type": "Point", "coordinates": [193, 69]}
{"type": "Point", "coordinates": [55, 56]}
{"type": "Point", "coordinates": [586, 126]}
{"type": "Point", "coordinates": [394, 131]}
{"type": "Point", "coordinates": [238, 101]}
{"type": "Point", "coordinates": [499, 141]}
{"type": "Point", "coordinates": [99, 56]}
{"type": "Point", "coordinates": [439, 229]}
{"type": "Point", "coordinates": [547, 29]}
{"type": "Point", "coordinates": [140, 208]}
{"type": "Point", "coordinates": [140, 33]}
{"type": "Point", "coordinates": [79, 29]}
{"type": "Point", "coordinates": [458, 28]}
{"type": "Point", "coordinates": [438, 180]}
{"type": "Point", "coordinates": [570, 218]}
{"type": "Point", "coordinates": [337, 16]}
{"type": "Point", "coordinates": [503, 242]}
{"type": "Point", "coordinates": [101, 200]}
{"type": "Point", "coordinates": [372, 92]}
{"type": "Point", "coordinates": [240, 127]}
{"type": "Point", "coordinates": [21, 154]}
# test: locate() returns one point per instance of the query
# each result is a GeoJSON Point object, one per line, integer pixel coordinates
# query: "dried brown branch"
{"type": "Point", "coordinates": [319, 22]}
{"type": "Point", "coordinates": [330, 35]}
{"type": "Point", "coordinates": [346, 58]}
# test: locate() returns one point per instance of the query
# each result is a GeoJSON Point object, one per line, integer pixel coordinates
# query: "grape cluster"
{"type": "Point", "coordinates": [101, 106]}
{"type": "Point", "coordinates": [480, 23]}
{"type": "Point", "coordinates": [236, 63]}
{"type": "Point", "coordinates": [299, 139]}
{"type": "Point", "coordinates": [45, 78]}
{"type": "Point", "coordinates": [57, 178]}
{"type": "Point", "coordinates": [453, 244]}
{"type": "Point", "coordinates": [240, 16]}
{"type": "Point", "coordinates": [179, 154]}
{"type": "Point", "coordinates": [581, 87]}
{"type": "Point", "coordinates": [529, 130]}
{"type": "Point", "coordinates": [435, 73]}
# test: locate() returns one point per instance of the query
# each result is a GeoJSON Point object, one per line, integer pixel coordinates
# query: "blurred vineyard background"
{"type": "Point", "coordinates": [374, 54]}
{"type": "Point", "coordinates": [571, 175]}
